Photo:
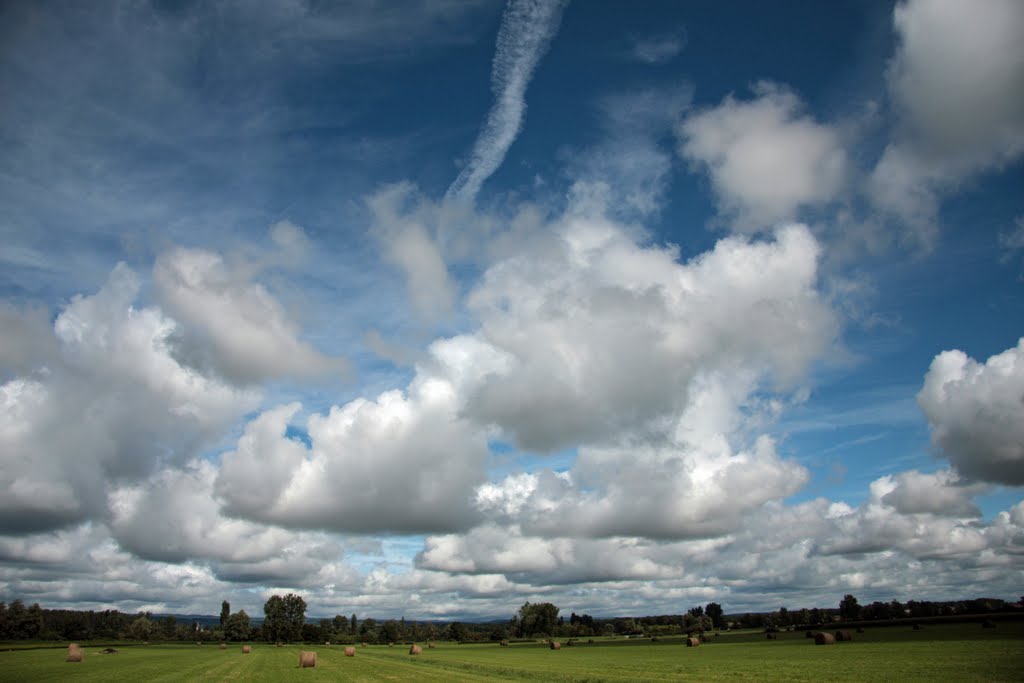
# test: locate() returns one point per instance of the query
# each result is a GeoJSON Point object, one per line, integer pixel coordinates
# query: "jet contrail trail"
{"type": "Point", "coordinates": [527, 28]}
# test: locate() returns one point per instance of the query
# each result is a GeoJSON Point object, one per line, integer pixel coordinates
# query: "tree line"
{"type": "Point", "coordinates": [284, 620]}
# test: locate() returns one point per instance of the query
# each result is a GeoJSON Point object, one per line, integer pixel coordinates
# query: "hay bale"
{"type": "Point", "coordinates": [246, 649]}
{"type": "Point", "coordinates": [844, 636]}
{"type": "Point", "coordinates": [307, 660]}
{"type": "Point", "coordinates": [279, 644]}
{"type": "Point", "coordinates": [328, 643]}
{"type": "Point", "coordinates": [415, 650]}
{"type": "Point", "coordinates": [75, 653]}
{"type": "Point", "coordinates": [692, 642]}
{"type": "Point", "coordinates": [824, 639]}
{"type": "Point", "coordinates": [555, 645]}
{"type": "Point", "coordinates": [350, 652]}
{"type": "Point", "coordinates": [430, 646]}
{"type": "Point", "coordinates": [362, 644]}
{"type": "Point", "coordinates": [199, 643]}
{"type": "Point", "coordinates": [223, 646]}
{"type": "Point", "coordinates": [503, 643]}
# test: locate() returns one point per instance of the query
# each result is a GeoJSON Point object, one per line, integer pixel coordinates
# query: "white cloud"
{"type": "Point", "coordinates": [570, 314]}
{"type": "Point", "coordinates": [976, 412]}
{"type": "Point", "coordinates": [404, 463]}
{"type": "Point", "coordinates": [659, 49]}
{"type": "Point", "coordinates": [113, 405]}
{"type": "Point", "coordinates": [630, 168]}
{"type": "Point", "coordinates": [27, 341]}
{"type": "Point", "coordinates": [765, 158]}
{"type": "Point", "coordinates": [957, 84]}
{"type": "Point", "coordinates": [940, 493]}
{"type": "Point", "coordinates": [527, 28]}
{"type": "Point", "coordinates": [247, 332]}
{"type": "Point", "coordinates": [408, 240]}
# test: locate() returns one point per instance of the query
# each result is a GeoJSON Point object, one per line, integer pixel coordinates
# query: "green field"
{"type": "Point", "coordinates": [963, 652]}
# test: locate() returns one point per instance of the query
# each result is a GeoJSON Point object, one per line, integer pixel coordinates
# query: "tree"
{"type": "Point", "coordinates": [284, 617]}
{"type": "Point", "coordinates": [849, 610]}
{"type": "Point", "coordinates": [390, 631]}
{"type": "Point", "coordinates": [538, 618]}
{"type": "Point", "coordinates": [714, 611]}
{"type": "Point", "coordinates": [237, 626]}
{"type": "Point", "coordinates": [456, 631]}
{"type": "Point", "coordinates": [141, 629]}
{"type": "Point", "coordinates": [353, 629]}
{"type": "Point", "coordinates": [225, 612]}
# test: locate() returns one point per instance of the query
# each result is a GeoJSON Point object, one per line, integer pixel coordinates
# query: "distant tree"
{"type": "Point", "coordinates": [782, 619]}
{"type": "Point", "coordinates": [141, 629]}
{"type": "Point", "coordinates": [284, 617]}
{"type": "Point", "coordinates": [456, 631]}
{"type": "Point", "coordinates": [714, 611]}
{"type": "Point", "coordinates": [237, 626]}
{"type": "Point", "coordinates": [225, 612]}
{"type": "Point", "coordinates": [368, 630]}
{"type": "Point", "coordinates": [353, 625]}
{"type": "Point", "coordinates": [849, 609]}
{"type": "Point", "coordinates": [538, 618]}
{"type": "Point", "coordinates": [390, 631]}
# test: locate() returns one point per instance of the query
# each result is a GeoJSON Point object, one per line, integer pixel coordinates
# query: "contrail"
{"type": "Point", "coordinates": [527, 28]}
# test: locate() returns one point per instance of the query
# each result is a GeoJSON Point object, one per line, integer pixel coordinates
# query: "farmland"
{"type": "Point", "coordinates": [963, 652]}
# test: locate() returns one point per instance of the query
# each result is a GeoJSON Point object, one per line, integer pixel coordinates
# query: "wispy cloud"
{"type": "Point", "coordinates": [527, 28]}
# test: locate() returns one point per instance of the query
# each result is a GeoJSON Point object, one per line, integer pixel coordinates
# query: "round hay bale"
{"type": "Point", "coordinates": [503, 643]}
{"type": "Point", "coordinates": [223, 646]}
{"type": "Point", "coordinates": [692, 642]}
{"type": "Point", "coordinates": [824, 639]}
{"type": "Point", "coordinates": [75, 653]}
{"type": "Point", "coordinates": [350, 652]}
{"type": "Point", "coordinates": [391, 644]}
{"type": "Point", "coordinates": [555, 645]}
{"type": "Point", "coordinates": [279, 644]}
{"type": "Point", "coordinates": [328, 643]}
{"type": "Point", "coordinates": [362, 644]}
{"type": "Point", "coordinates": [844, 636]}
{"type": "Point", "coordinates": [431, 646]}
{"type": "Point", "coordinates": [415, 650]}
{"type": "Point", "coordinates": [199, 643]}
{"type": "Point", "coordinates": [307, 660]}
{"type": "Point", "coordinates": [246, 649]}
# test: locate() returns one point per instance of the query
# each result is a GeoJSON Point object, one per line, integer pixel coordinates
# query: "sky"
{"type": "Point", "coordinates": [432, 308]}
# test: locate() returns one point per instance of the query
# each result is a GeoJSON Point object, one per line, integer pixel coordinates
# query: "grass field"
{"type": "Point", "coordinates": [963, 652]}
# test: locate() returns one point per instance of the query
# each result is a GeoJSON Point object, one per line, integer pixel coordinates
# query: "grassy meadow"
{"type": "Point", "coordinates": [960, 652]}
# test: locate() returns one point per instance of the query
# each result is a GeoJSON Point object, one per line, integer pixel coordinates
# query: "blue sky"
{"type": "Point", "coordinates": [431, 308]}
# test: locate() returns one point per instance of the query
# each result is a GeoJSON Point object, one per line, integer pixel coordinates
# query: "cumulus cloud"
{"type": "Point", "coordinates": [957, 85]}
{"type": "Point", "coordinates": [939, 493]}
{"type": "Point", "coordinates": [527, 28]}
{"type": "Point", "coordinates": [247, 333]}
{"type": "Point", "coordinates": [27, 341]}
{"type": "Point", "coordinates": [765, 158]}
{"type": "Point", "coordinates": [569, 315]}
{"type": "Point", "coordinates": [406, 462]}
{"type": "Point", "coordinates": [112, 405]}
{"type": "Point", "coordinates": [976, 412]}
